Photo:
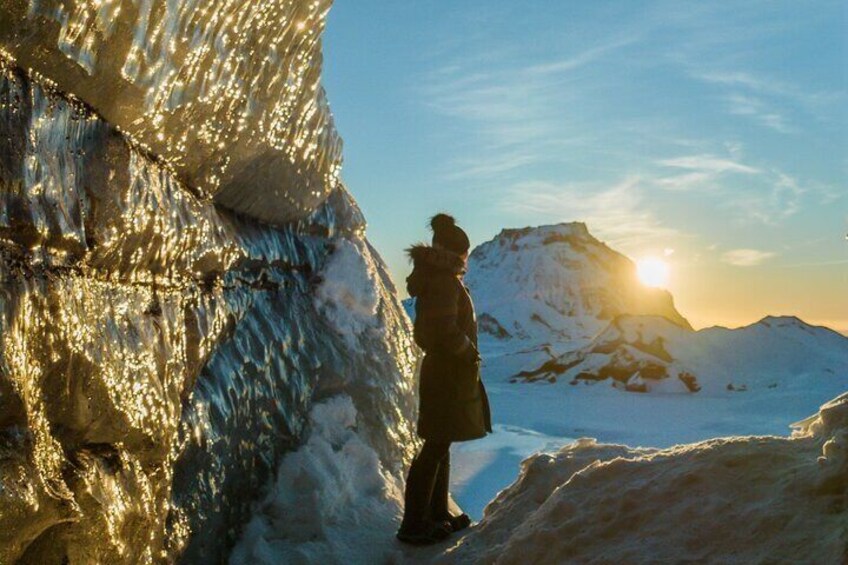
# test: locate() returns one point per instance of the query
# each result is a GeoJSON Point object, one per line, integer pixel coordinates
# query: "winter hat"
{"type": "Point", "coordinates": [449, 235]}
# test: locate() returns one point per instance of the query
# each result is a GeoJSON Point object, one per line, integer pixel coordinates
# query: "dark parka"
{"type": "Point", "coordinates": [453, 401]}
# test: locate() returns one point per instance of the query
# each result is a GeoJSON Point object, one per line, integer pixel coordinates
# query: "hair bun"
{"type": "Point", "coordinates": [442, 222]}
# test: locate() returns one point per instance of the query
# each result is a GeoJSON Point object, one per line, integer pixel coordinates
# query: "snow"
{"type": "Point", "coordinates": [332, 501]}
{"type": "Point", "coordinates": [561, 412]}
{"type": "Point", "coordinates": [735, 500]}
{"type": "Point", "coordinates": [347, 295]}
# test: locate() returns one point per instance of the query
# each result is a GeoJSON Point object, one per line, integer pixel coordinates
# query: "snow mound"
{"type": "Point", "coordinates": [332, 501]}
{"type": "Point", "coordinates": [347, 294]}
{"type": "Point", "coordinates": [733, 500]}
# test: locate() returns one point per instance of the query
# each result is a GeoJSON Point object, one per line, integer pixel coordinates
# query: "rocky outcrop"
{"type": "Point", "coordinates": [631, 353]}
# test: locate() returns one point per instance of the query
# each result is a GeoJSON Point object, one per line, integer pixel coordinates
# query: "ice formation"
{"type": "Point", "coordinates": [158, 354]}
{"type": "Point", "coordinates": [228, 93]}
{"type": "Point", "coordinates": [733, 500]}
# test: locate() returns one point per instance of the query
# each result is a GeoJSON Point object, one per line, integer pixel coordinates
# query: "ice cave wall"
{"type": "Point", "coordinates": [158, 353]}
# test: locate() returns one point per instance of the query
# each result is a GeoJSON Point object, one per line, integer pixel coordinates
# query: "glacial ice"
{"type": "Point", "coordinates": [227, 93]}
{"type": "Point", "coordinates": [159, 354]}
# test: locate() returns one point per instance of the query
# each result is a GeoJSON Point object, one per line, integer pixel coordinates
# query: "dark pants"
{"type": "Point", "coordinates": [427, 484]}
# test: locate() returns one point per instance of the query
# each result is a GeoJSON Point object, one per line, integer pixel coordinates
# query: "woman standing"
{"type": "Point", "coordinates": [453, 402]}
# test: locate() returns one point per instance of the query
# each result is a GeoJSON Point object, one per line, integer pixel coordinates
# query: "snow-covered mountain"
{"type": "Point", "coordinates": [540, 292]}
{"type": "Point", "coordinates": [648, 353]}
{"type": "Point", "coordinates": [556, 304]}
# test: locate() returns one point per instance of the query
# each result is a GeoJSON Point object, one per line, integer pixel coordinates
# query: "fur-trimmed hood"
{"type": "Point", "coordinates": [429, 262]}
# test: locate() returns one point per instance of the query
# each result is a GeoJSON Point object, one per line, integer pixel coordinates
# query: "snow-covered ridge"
{"type": "Point", "coordinates": [641, 354]}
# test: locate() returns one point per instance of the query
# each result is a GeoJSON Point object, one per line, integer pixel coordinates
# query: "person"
{"type": "Point", "coordinates": [453, 405]}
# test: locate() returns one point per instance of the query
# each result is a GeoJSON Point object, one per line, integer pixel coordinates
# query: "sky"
{"type": "Point", "coordinates": [712, 134]}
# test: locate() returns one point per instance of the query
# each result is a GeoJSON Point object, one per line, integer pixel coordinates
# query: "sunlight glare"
{"type": "Point", "coordinates": [652, 272]}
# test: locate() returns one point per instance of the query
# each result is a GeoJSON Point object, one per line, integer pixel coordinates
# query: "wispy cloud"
{"type": "Point", "coordinates": [618, 213]}
{"type": "Point", "coordinates": [768, 101]}
{"type": "Point", "coordinates": [708, 163]}
{"type": "Point", "coordinates": [764, 195]}
{"type": "Point", "coordinates": [580, 59]}
{"type": "Point", "coordinates": [768, 86]}
{"type": "Point", "coordinates": [744, 105]}
{"type": "Point", "coordinates": [746, 257]}
{"type": "Point", "coordinates": [700, 172]}
{"type": "Point", "coordinates": [512, 112]}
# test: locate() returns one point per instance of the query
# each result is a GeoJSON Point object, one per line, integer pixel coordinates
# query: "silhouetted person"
{"type": "Point", "coordinates": [453, 403]}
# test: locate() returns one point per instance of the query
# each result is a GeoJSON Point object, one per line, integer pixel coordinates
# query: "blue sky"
{"type": "Point", "coordinates": [713, 133]}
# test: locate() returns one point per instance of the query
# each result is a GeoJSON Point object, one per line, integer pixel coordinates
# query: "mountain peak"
{"type": "Point", "coordinates": [546, 234]}
{"type": "Point", "coordinates": [546, 288]}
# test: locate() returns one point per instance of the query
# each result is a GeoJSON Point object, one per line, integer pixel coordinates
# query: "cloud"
{"type": "Point", "coordinates": [769, 87]}
{"type": "Point", "coordinates": [762, 194]}
{"type": "Point", "coordinates": [709, 164]}
{"type": "Point", "coordinates": [618, 213]}
{"type": "Point", "coordinates": [779, 199]}
{"type": "Point", "coordinates": [768, 101]}
{"type": "Point", "coordinates": [512, 114]}
{"type": "Point", "coordinates": [688, 181]}
{"type": "Point", "coordinates": [762, 112]}
{"type": "Point", "coordinates": [746, 257]}
{"type": "Point", "coordinates": [701, 172]}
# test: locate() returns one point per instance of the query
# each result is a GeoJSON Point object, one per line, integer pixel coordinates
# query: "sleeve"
{"type": "Point", "coordinates": [436, 326]}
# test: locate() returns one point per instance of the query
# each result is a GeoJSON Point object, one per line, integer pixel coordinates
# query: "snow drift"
{"type": "Point", "coordinates": [332, 500]}
{"type": "Point", "coordinates": [732, 500]}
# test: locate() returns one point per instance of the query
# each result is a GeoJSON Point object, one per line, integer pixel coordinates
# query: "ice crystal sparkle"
{"type": "Point", "coordinates": [229, 94]}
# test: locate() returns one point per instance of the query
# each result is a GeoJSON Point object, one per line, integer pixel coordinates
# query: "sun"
{"type": "Point", "coordinates": [652, 272]}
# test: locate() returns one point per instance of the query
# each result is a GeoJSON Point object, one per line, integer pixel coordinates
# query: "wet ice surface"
{"type": "Point", "coordinates": [228, 93]}
{"type": "Point", "coordinates": [159, 354]}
